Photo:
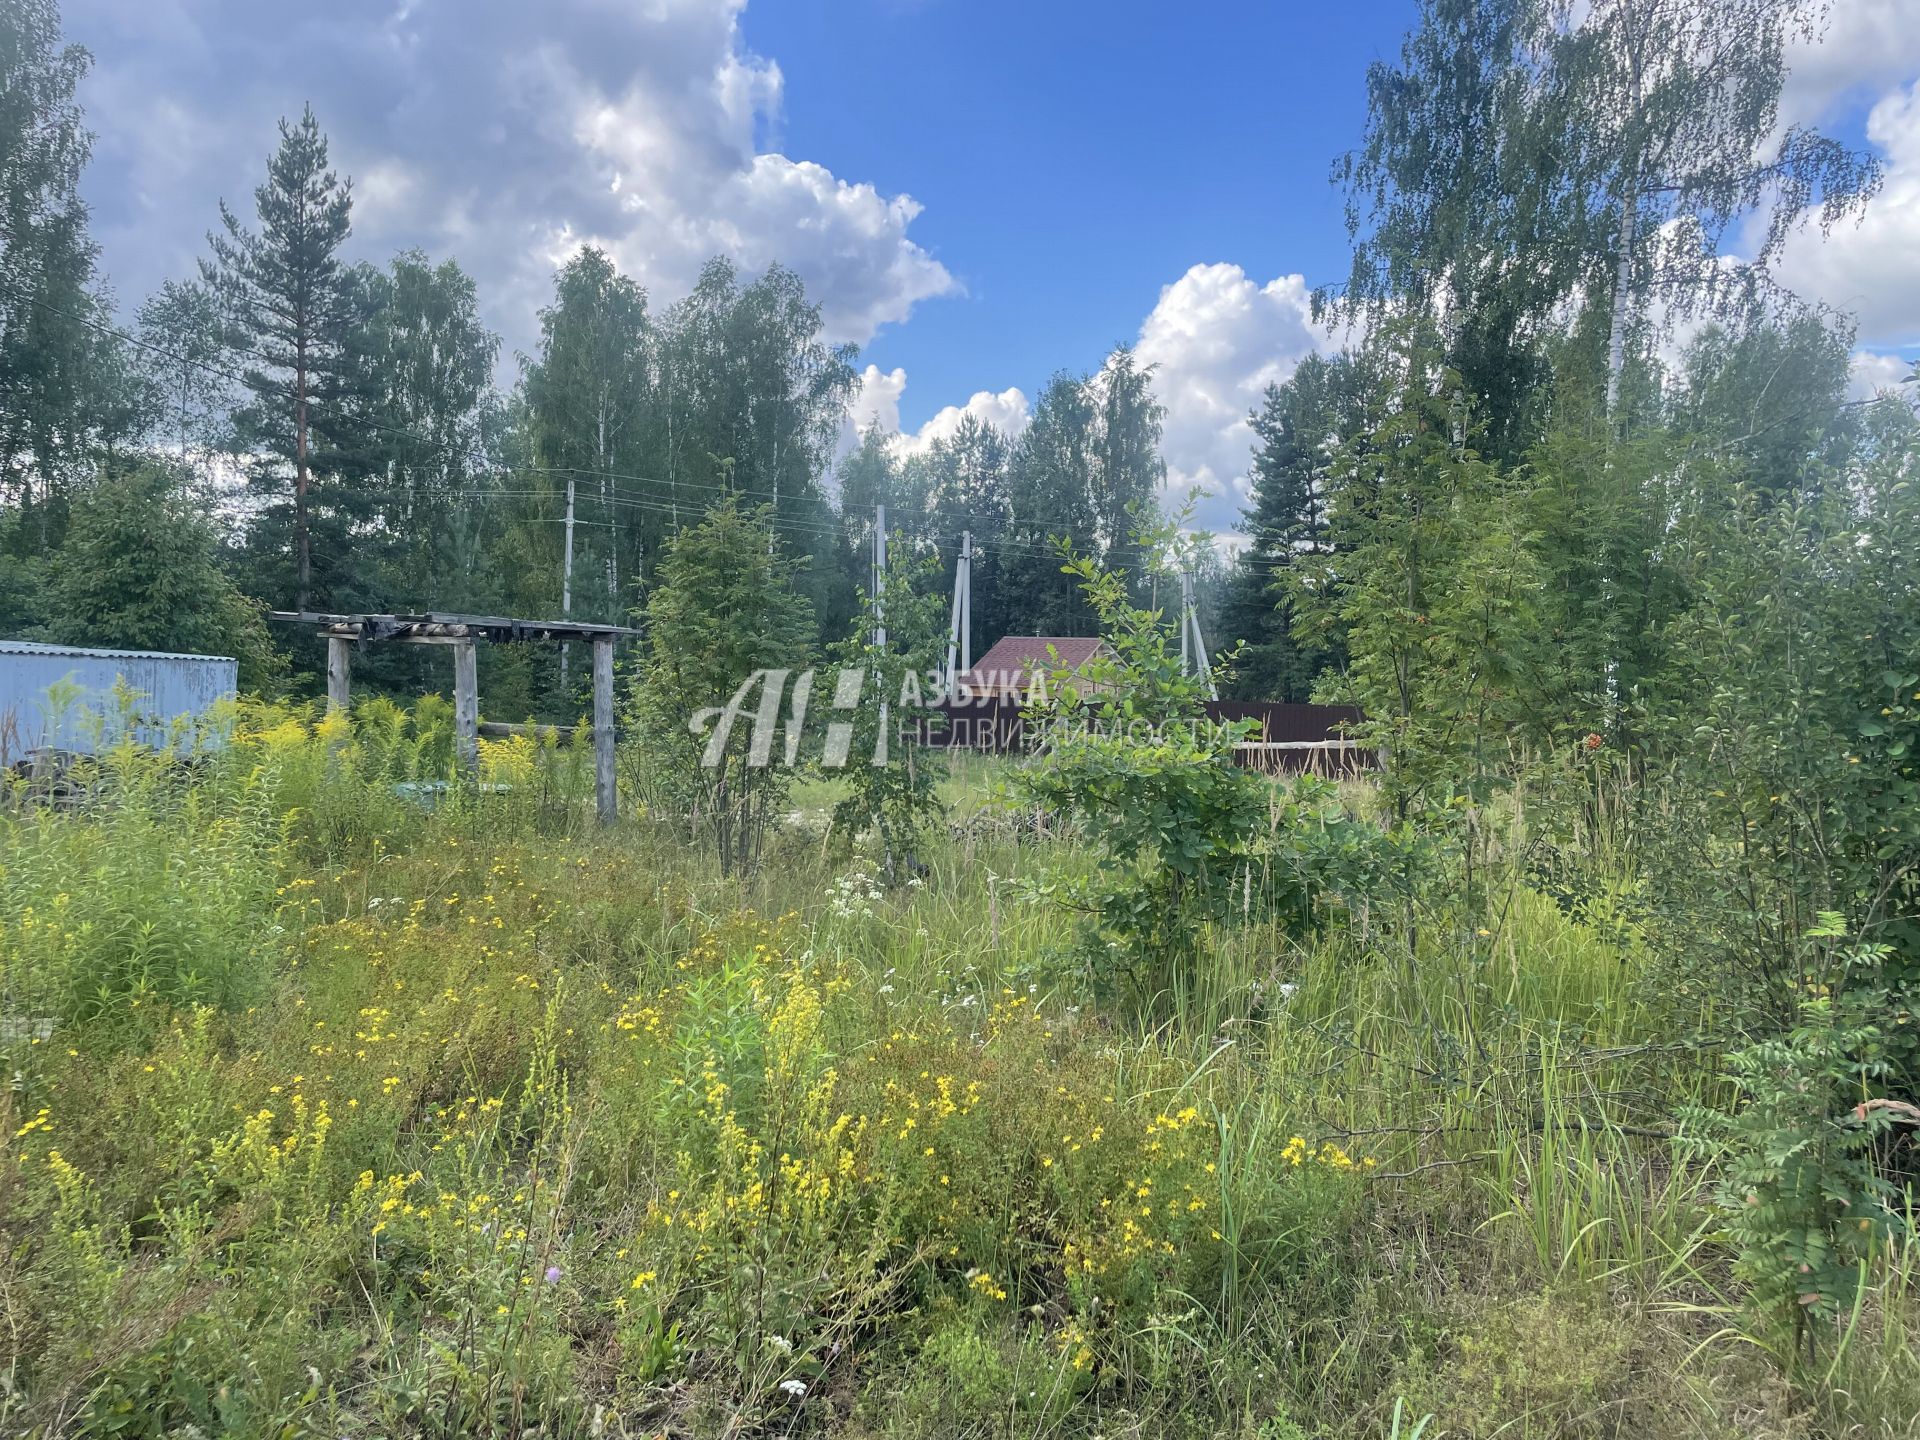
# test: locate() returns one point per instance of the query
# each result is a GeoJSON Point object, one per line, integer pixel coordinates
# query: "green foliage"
{"type": "Point", "coordinates": [1298, 427]}
{"type": "Point", "coordinates": [295, 310]}
{"type": "Point", "coordinates": [1803, 1199]}
{"type": "Point", "coordinates": [1561, 1363]}
{"type": "Point", "coordinates": [891, 785]}
{"type": "Point", "coordinates": [426, 364]}
{"type": "Point", "coordinates": [344, 1099]}
{"type": "Point", "coordinates": [1050, 498]}
{"type": "Point", "coordinates": [587, 400]}
{"type": "Point", "coordinates": [1517, 162]}
{"type": "Point", "coordinates": [66, 390]}
{"type": "Point", "coordinates": [161, 894]}
{"type": "Point", "coordinates": [752, 400]}
{"type": "Point", "coordinates": [140, 570]}
{"type": "Point", "coordinates": [483, 1134]}
{"type": "Point", "coordinates": [1434, 590]}
{"type": "Point", "coordinates": [1456, 198]}
{"type": "Point", "coordinates": [1128, 749]}
{"type": "Point", "coordinates": [1784, 726]}
{"type": "Point", "coordinates": [185, 339]}
{"type": "Point", "coordinates": [725, 627]}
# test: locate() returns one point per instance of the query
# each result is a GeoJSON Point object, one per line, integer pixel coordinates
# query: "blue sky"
{"type": "Point", "coordinates": [977, 192]}
{"type": "Point", "coordinates": [1074, 159]}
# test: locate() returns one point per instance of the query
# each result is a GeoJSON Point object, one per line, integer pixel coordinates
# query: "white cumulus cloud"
{"type": "Point", "coordinates": [1217, 339]}
{"type": "Point", "coordinates": [1866, 47]}
{"type": "Point", "coordinates": [1872, 372]}
{"type": "Point", "coordinates": [877, 402]}
{"type": "Point", "coordinates": [502, 133]}
{"type": "Point", "coordinates": [1872, 268]}
{"type": "Point", "coordinates": [1005, 410]}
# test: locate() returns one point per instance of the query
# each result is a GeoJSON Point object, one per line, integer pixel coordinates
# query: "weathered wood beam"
{"type": "Point", "coordinates": [502, 628]}
{"type": "Point", "coordinates": [466, 708]}
{"type": "Point", "coordinates": [339, 672]}
{"type": "Point", "coordinates": [606, 792]}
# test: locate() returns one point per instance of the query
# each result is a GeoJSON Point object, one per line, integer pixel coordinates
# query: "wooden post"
{"type": "Point", "coordinates": [604, 789]}
{"type": "Point", "coordinates": [466, 708]}
{"type": "Point", "coordinates": [339, 671]}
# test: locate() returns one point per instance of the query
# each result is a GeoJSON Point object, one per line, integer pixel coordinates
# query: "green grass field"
{"type": "Point", "coordinates": [335, 1116]}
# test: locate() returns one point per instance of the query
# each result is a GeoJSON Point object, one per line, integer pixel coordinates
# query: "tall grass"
{"type": "Point", "coordinates": [1388, 1174]}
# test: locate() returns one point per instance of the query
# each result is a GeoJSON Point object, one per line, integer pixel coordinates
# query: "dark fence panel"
{"type": "Point", "coordinates": [1000, 727]}
{"type": "Point", "coordinates": [1281, 722]}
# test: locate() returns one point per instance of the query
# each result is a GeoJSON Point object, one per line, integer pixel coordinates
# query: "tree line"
{"type": "Point", "coordinates": [1537, 209]}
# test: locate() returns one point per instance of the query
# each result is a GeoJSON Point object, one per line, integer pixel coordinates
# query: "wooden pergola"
{"type": "Point", "coordinates": [344, 632]}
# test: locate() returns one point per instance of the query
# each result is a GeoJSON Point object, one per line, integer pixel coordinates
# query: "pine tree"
{"type": "Point", "coordinates": [293, 312]}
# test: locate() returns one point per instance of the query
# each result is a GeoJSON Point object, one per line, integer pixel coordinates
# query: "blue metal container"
{"type": "Point", "coordinates": [64, 697]}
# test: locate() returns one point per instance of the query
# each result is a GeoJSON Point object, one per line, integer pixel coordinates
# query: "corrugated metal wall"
{"type": "Point", "coordinates": [167, 688]}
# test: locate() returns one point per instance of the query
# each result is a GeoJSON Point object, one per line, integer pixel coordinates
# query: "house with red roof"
{"type": "Point", "coordinates": [1008, 671]}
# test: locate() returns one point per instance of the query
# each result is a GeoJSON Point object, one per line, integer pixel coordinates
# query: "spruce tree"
{"type": "Point", "coordinates": [1299, 426]}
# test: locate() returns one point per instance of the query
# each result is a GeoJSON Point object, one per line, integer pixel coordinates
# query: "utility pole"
{"type": "Point", "coordinates": [966, 603]}
{"type": "Point", "coordinates": [1190, 630]}
{"type": "Point", "coordinates": [1186, 609]}
{"type": "Point", "coordinates": [879, 577]}
{"type": "Point", "coordinates": [960, 630]}
{"type": "Point", "coordinates": [880, 615]}
{"type": "Point", "coordinates": [566, 582]}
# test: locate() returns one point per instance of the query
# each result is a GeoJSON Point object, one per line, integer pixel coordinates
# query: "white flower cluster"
{"type": "Point", "coordinates": [854, 894]}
